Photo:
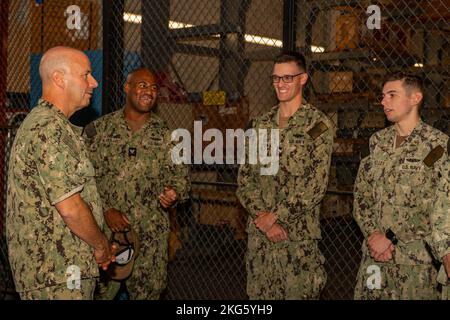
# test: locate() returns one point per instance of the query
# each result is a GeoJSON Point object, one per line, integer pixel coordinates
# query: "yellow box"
{"type": "Point", "coordinates": [214, 98]}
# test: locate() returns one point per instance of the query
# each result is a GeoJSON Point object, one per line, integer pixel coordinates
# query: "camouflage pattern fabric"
{"type": "Point", "coordinates": [291, 269]}
{"type": "Point", "coordinates": [444, 281]}
{"type": "Point", "coordinates": [62, 292]}
{"type": "Point", "coordinates": [407, 191]}
{"type": "Point", "coordinates": [132, 170]}
{"type": "Point", "coordinates": [48, 164]}
{"type": "Point", "coordinates": [398, 282]}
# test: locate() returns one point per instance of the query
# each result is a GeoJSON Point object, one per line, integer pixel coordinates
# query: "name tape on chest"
{"type": "Point", "coordinates": [70, 144]}
{"type": "Point", "coordinates": [433, 156]}
{"type": "Point", "coordinates": [411, 167]}
{"type": "Point", "coordinates": [317, 130]}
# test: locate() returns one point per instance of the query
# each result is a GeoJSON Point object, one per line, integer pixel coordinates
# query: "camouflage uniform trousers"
{"type": "Point", "coordinates": [444, 281]}
{"type": "Point", "coordinates": [149, 276]}
{"type": "Point", "coordinates": [398, 282]}
{"type": "Point", "coordinates": [284, 271]}
{"type": "Point", "coordinates": [445, 292]}
{"type": "Point", "coordinates": [62, 292]}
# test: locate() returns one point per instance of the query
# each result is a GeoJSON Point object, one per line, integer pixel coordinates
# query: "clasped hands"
{"type": "Point", "coordinates": [381, 248]}
{"type": "Point", "coordinates": [266, 222]}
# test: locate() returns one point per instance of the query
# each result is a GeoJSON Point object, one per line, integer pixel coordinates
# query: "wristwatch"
{"type": "Point", "coordinates": [391, 236]}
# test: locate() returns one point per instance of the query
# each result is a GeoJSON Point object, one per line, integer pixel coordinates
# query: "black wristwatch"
{"type": "Point", "coordinates": [391, 236]}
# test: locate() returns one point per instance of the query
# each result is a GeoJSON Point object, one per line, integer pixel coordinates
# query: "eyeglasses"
{"type": "Point", "coordinates": [287, 78]}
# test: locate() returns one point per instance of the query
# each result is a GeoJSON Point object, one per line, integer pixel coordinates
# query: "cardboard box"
{"type": "Point", "coordinates": [52, 26]}
{"type": "Point", "coordinates": [221, 208]}
{"type": "Point", "coordinates": [374, 120]}
{"type": "Point", "coordinates": [340, 82]}
{"type": "Point", "coordinates": [333, 82]}
{"type": "Point", "coordinates": [435, 10]}
{"type": "Point", "coordinates": [347, 31]}
{"type": "Point", "coordinates": [233, 115]}
{"type": "Point", "coordinates": [349, 119]}
{"type": "Point", "coordinates": [392, 38]}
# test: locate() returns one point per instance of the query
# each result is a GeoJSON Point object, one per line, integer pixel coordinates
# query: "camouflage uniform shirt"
{"type": "Point", "coordinates": [133, 168]}
{"type": "Point", "coordinates": [48, 164]}
{"type": "Point", "coordinates": [291, 269]}
{"type": "Point", "coordinates": [407, 190]}
{"type": "Point", "coordinates": [296, 191]}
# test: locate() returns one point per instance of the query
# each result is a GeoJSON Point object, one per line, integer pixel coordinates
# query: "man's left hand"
{"type": "Point", "coordinates": [277, 233]}
{"type": "Point", "coordinates": [168, 197]}
{"type": "Point", "coordinates": [265, 220]}
{"type": "Point", "coordinates": [446, 262]}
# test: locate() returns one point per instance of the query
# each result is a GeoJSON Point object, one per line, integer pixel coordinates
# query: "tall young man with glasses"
{"type": "Point", "coordinates": [283, 258]}
{"type": "Point", "coordinates": [137, 180]}
{"type": "Point", "coordinates": [402, 201]}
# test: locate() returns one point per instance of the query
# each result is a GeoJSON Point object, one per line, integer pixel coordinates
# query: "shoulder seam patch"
{"type": "Point", "coordinates": [90, 130]}
{"type": "Point", "coordinates": [317, 130]}
{"type": "Point", "coordinates": [433, 156]}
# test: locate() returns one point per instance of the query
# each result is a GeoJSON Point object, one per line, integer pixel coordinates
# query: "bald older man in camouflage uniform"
{"type": "Point", "coordinates": [283, 258]}
{"type": "Point", "coordinates": [137, 180]}
{"type": "Point", "coordinates": [402, 201]}
{"type": "Point", "coordinates": [54, 216]}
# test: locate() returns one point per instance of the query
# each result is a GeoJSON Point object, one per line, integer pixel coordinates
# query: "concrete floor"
{"type": "Point", "coordinates": [210, 265]}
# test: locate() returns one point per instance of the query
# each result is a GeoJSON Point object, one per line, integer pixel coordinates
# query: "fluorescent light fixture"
{"type": "Point", "coordinates": [316, 49]}
{"type": "Point", "coordinates": [137, 19]}
{"type": "Point", "coordinates": [179, 25]}
{"type": "Point", "coordinates": [250, 38]}
{"type": "Point", "coordinates": [132, 18]}
{"type": "Point", "coordinates": [418, 65]}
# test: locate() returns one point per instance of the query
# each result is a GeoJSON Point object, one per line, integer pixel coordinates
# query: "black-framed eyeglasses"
{"type": "Point", "coordinates": [287, 78]}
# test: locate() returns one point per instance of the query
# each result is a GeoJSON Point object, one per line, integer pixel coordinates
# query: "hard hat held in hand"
{"type": "Point", "coordinates": [128, 247]}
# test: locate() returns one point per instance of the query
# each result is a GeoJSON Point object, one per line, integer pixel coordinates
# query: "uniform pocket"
{"type": "Point", "coordinates": [298, 155]}
{"type": "Point", "coordinates": [413, 188]}
{"type": "Point", "coordinates": [112, 161]}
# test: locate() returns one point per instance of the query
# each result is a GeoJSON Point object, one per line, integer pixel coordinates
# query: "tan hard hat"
{"type": "Point", "coordinates": [128, 249]}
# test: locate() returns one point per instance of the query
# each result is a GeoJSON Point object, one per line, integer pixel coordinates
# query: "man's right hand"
{"type": "Point", "coordinates": [105, 254]}
{"type": "Point", "coordinates": [385, 256]}
{"type": "Point", "coordinates": [116, 220]}
{"type": "Point", "coordinates": [446, 262]}
{"type": "Point", "coordinates": [277, 233]}
{"type": "Point", "coordinates": [378, 245]}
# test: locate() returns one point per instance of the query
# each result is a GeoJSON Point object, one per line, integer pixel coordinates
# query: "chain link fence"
{"type": "Point", "coordinates": [213, 59]}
